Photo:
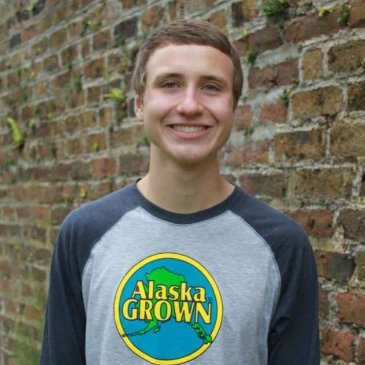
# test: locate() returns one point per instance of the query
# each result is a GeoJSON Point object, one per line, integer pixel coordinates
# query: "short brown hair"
{"type": "Point", "coordinates": [187, 32]}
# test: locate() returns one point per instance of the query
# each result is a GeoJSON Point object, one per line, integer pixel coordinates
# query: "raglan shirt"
{"type": "Point", "coordinates": [132, 284]}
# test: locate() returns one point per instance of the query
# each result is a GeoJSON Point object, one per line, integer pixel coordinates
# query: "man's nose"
{"type": "Point", "coordinates": [190, 103]}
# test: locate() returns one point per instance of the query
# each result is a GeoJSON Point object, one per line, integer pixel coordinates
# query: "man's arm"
{"type": "Point", "coordinates": [64, 331]}
{"type": "Point", "coordinates": [294, 338]}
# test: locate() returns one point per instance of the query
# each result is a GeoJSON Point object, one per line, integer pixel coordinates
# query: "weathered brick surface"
{"type": "Point", "coordinates": [356, 95]}
{"type": "Point", "coordinates": [353, 223]}
{"type": "Point", "coordinates": [326, 101]}
{"type": "Point", "coordinates": [316, 222]}
{"type": "Point", "coordinates": [285, 73]}
{"type": "Point", "coordinates": [313, 64]}
{"type": "Point", "coordinates": [273, 185]}
{"type": "Point", "coordinates": [347, 140]}
{"type": "Point", "coordinates": [333, 265]}
{"type": "Point", "coordinates": [275, 112]}
{"type": "Point", "coordinates": [323, 184]}
{"type": "Point", "coordinates": [351, 308]}
{"type": "Point", "coordinates": [311, 26]}
{"type": "Point", "coordinates": [298, 139]}
{"type": "Point", "coordinates": [357, 14]}
{"type": "Point", "coordinates": [346, 57]}
{"type": "Point", "coordinates": [340, 344]}
{"type": "Point", "coordinates": [300, 145]}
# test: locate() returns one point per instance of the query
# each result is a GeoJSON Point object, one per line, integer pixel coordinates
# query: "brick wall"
{"type": "Point", "coordinates": [68, 135]}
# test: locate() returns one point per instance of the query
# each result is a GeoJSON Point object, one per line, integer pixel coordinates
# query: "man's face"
{"type": "Point", "coordinates": [187, 107]}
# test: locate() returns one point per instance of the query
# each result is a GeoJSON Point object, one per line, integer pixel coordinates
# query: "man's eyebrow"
{"type": "Point", "coordinates": [176, 75]}
{"type": "Point", "coordinates": [167, 75]}
{"type": "Point", "coordinates": [215, 78]}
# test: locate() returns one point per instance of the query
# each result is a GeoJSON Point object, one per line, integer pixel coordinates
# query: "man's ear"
{"type": "Point", "coordinates": [138, 107]}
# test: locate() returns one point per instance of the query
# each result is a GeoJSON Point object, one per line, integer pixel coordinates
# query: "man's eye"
{"type": "Point", "coordinates": [169, 85]}
{"type": "Point", "coordinates": [210, 87]}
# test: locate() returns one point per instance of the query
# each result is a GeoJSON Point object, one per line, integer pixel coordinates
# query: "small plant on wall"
{"type": "Point", "coordinates": [275, 9]}
{"type": "Point", "coordinates": [17, 135]}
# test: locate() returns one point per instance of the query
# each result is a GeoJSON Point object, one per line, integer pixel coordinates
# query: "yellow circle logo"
{"type": "Point", "coordinates": [168, 309]}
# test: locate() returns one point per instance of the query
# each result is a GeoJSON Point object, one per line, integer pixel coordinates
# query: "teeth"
{"type": "Point", "coordinates": [188, 129]}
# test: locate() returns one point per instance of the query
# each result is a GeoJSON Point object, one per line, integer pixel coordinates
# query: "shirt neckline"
{"type": "Point", "coordinates": [185, 218]}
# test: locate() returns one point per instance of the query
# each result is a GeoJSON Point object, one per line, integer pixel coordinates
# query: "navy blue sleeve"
{"type": "Point", "coordinates": [293, 337]}
{"type": "Point", "coordinates": [294, 334]}
{"type": "Point", "coordinates": [64, 331]}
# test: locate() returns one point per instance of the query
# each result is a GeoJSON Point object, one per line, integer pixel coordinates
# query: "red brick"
{"type": "Point", "coordinates": [275, 112]}
{"type": "Point", "coordinates": [341, 134]}
{"type": "Point", "coordinates": [255, 152]}
{"type": "Point", "coordinates": [61, 81]}
{"type": "Point", "coordinates": [88, 119]}
{"type": "Point", "coordinates": [324, 304]}
{"type": "Point", "coordinates": [126, 136]}
{"type": "Point", "coordinates": [300, 145]}
{"type": "Point", "coordinates": [153, 17]}
{"type": "Point", "coordinates": [326, 101]}
{"type": "Point", "coordinates": [356, 96]}
{"type": "Point", "coordinates": [357, 14]}
{"type": "Point", "coordinates": [351, 308]}
{"type": "Point", "coordinates": [104, 167]}
{"type": "Point", "coordinates": [85, 47]}
{"type": "Point", "coordinates": [189, 7]}
{"type": "Point", "coordinates": [283, 74]}
{"type": "Point", "coordinates": [316, 222]}
{"type": "Point", "coordinates": [95, 68]}
{"type": "Point", "coordinates": [311, 26]}
{"type": "Point", "coordinates": [243, 117]}
{"type": "Point", "coordinates": [102, 40]}
{"type": "Point", "coordinates": [73, 146]}
{"type": "Point", "coordinates": [80, 171]}
{"type": "Point", "coordinates": [50, 63]}
{"type": "Point", "coordinates": [58, 39]}
{"type": "Point", "coordinates": [243, 12]}
{"type": "Point", "coordinates": [313, 64]}
{"type": "Point", "coordinates": [93, 94]}
{"type": "Point", "coordinates": [126, 29]}
{"type": "Point", "coordinates": [338, 343]}
{"type": "Point", "coordinates": [265, 39]}
{"type": "Point", "coordinates": [323, 184]}
{"type": "Point", "coordinates": [59, 213]}
{"type": "Point", "coordinates": [32, 313]}
{"type": "Point", "coordinates": [76, 99]}
{"type": "Point", "coordinates": [94, 142]}
{"type": "Point", "coordinates": [334, 265]}
{"type": "Point", "coordinates": [128, 4]}
{"type": "Point", "coordinates": [353, 222]}
{"type": "Point", "coordinates": [69, 55]}
{"type": "Point", "coordinates": [273, 185]}
{"type": "Point", "coordinates": [105, 116]}
{"type": "Point", "coordinates": [346, 57]}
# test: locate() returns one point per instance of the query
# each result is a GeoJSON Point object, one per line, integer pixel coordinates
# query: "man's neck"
{"type": "Point", "coordinates": [184, 189]}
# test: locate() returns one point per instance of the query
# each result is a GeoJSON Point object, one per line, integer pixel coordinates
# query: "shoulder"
{"type": "Point", "coordinates": [102, 211]}
{"type": "Point", "coordinates": [84, 226]}
{"type": "Point", "coordinates": [281, 232]}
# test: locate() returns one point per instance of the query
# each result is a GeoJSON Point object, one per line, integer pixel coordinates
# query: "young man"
{"type": "Point", "coordinates": [182, 266]}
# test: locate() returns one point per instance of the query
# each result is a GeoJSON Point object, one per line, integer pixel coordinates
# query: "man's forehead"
{"type": "Point", "coordinates": [186, 58]}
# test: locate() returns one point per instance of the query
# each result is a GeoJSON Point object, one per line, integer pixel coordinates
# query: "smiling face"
{"type": "Point", "coordinates": [188, 103]}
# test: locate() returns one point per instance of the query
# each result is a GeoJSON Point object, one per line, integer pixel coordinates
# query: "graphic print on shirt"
{"type": "Point", "coordinates": [168, 309]}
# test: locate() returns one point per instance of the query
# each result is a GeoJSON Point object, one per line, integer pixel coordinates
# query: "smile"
{"type": "Point", "coordinates": [188, 128]}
